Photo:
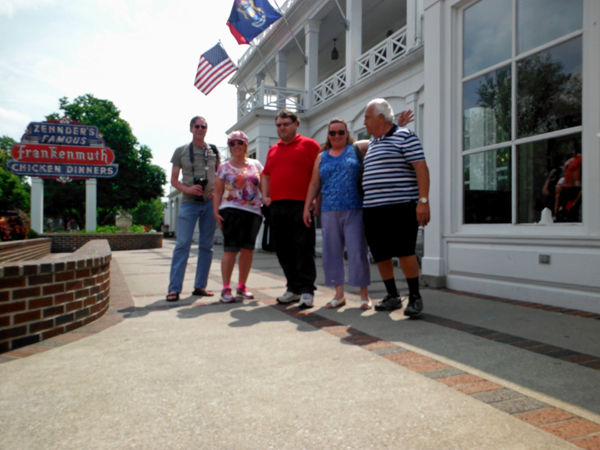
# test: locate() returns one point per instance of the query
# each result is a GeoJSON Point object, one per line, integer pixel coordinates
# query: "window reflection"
{"type": "Point", "coordinates": [487, 187]}
{"type": "Point", "coordinates": [487, 35]}
{"type": "Point", "coordinates": [487, 109]}
{"type": "Point", "coordinates": [550, 177]}
{"type": "Point", "coordinates": [549, 89]}
{"type": "Point", "coordinates": [560, 18]}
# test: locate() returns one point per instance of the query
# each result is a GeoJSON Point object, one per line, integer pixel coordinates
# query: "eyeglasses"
{"type": "Point", "coordinates": [200, 126]}
{"type": "Point", "coordinates": [284, 124]}
{"type": "Point", "coordinates": [232, 143]}
{"type": "Point", "coordinates": [338, 132]}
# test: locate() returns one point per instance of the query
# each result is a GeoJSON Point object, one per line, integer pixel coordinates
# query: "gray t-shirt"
{"type": "Point", "coordinates": [181, 158]}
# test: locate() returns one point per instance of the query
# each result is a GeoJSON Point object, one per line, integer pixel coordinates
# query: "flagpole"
{"type": "Point", "coordinates": [291, 32]}
{"type": "Point", "coordinates": [342, 13]}
{"type": "Point", "coordinates": [265, 62]}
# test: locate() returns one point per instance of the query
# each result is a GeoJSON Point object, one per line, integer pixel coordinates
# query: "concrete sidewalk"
{"type": "Point", "coordinates": [471, 373]}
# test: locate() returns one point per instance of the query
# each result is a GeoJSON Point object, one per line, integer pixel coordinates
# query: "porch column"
{"type": "Point", "coordinates": [311, 69]}
{"type": "Point", "coordinates": [91, 199]}
{"type": "Point", "coordinates": [353, 39]}
{"type": "Point", "coordinates": [281, 62]}
{"type": "Point", "coordinates": [436, 148]}
{"type": "Point", "coordinates": [411, 23]}
{"type": "Point", "coordinates": [37, 204]}
{"type": "Point", "coordinates": [241, 98]}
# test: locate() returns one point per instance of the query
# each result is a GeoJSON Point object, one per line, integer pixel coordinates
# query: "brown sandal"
{"type": "Point", "coordinates": [203, 292]}
{"type": "Point", "coordinates": [172, 296]}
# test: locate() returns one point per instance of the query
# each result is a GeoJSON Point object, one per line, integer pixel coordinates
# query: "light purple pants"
{"type": "Point", "coordinates": [344, 229]}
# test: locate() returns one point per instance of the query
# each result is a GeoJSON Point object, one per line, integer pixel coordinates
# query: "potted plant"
{"type": "Point", "coordinates": [123, 220]}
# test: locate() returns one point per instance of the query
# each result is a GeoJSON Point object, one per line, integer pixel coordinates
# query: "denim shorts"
{"type": "Point", "coordinates": [240, 229]}
{"type": "Point", "coordinates": [391, 230]}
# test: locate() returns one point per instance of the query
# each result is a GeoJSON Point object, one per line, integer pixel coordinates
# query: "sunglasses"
{"type": "Point", "coordinates": [284, 124]}
{"type": "Point", "coordinates": [232, 143]}
{"type": "Point", "coordinates": [338, 132]}
{"type": "Point", "coordinates": [200, 126]}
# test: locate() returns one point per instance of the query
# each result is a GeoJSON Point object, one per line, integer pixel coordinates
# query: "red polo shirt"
{"type": "Point", "coordinates": [290, 168]}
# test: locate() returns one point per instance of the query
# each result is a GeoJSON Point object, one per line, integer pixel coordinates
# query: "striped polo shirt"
{"type": "Point", "coordinates": [389, 176]}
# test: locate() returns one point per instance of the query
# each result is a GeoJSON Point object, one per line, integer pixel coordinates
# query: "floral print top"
{"type": "Point", "coordinates": [242, 186]}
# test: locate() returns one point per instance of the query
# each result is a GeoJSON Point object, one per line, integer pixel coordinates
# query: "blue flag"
{"type": "Point", "coordinates": [249, 18]}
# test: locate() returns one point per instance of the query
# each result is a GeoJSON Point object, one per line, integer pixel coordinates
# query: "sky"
{"type": "Point", "coordinates": [140, 54]}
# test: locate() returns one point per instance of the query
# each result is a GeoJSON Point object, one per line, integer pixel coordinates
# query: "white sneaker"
{"type": "Point", "coordinates": [288, 297]}
{"type": "Point", "coordinates": [226, 296]}
{"type": "Point", "coordinates": [306, 301]}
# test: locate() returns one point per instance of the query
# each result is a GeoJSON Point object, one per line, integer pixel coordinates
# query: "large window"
{"type": "Point", "coordinates": [522, 111]}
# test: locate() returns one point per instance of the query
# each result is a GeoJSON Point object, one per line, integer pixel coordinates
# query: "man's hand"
{"type": "Point", "coordinates": [307, 217]}
{"type": "Point", "coordinates": [423, 214]}
{"type": "Point", "coordinates": [267, 201]}
{"type": "Point", "coordinates": [405, 117]}
{"type": "Point", "coordinates": [194, 189]}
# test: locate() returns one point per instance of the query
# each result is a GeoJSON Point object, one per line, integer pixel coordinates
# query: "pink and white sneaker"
{"type": "Point", "coordinates": [226, 296]}
{"type": "Point", "coordinates": [243, 293]}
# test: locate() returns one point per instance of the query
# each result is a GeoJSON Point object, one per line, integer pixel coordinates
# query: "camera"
{"type": "Point", "coordinates": [202, 182]}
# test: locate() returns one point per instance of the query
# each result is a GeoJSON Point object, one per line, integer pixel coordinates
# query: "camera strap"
{"type": "Point", "coordinates": [191, 151]}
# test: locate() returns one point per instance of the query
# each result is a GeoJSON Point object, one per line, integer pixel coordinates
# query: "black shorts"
{"type": "Point", "coordinates": [391, 230]}
{"type": "Point", "coordinates": [239, 229]}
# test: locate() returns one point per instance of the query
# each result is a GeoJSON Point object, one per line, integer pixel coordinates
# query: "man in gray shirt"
{"type": "Point", "coordinates": [198, 162]}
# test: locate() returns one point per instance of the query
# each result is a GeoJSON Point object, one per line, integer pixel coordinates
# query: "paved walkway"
{"type": "Point", "coordinates": [471, 373]}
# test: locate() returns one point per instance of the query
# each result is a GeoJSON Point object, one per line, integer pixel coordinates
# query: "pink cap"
{"type": "Point", "coordinates": [237, 135]}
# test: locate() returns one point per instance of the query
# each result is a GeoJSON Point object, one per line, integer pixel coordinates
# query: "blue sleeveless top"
{"type": "Point", "coordinates": [339, 175]}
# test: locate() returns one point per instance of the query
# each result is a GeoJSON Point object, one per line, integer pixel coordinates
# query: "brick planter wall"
{"type": "Point", "coordinates": [69, 242]}
{"type": "Point", "coordinates": [44, 298]}
{"type": "Point", "coordinates": [24, 250]}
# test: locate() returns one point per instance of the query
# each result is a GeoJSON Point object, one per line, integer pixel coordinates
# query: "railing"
{"type": "Point", "coordinates": [369, 63]}
{"type": "Point", "coordinates": [329, 88]}
{"type": "Point", "coordinates": [274, 98]}
{"type": "Point", "coordinates": [382, 55]}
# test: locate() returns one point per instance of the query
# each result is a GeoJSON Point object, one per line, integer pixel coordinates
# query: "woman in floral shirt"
{"type": "Point", "coordinates": [237, 203]}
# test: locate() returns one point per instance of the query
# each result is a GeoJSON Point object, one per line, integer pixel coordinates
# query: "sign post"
{"type": "Point", "coordinates": [63, 150]}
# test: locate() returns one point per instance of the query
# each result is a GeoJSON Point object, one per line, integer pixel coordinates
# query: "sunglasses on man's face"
{"type": "Point", "coordinates": [338, 132]}
{"type": "Point", "coordinates": [200, 126]}
{"type": "Point", "coordinates": [232, 143]}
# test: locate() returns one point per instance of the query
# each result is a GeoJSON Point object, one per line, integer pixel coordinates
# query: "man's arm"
{"type": "Point", "coordinates": [423, 212]}
{"type": "Point", "coordinates": [196, 189]}
{"type": "Point", "coordinates": [265, 184]}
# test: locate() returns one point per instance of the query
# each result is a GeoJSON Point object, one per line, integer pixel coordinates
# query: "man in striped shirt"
{"type": "Point", "coordinates": [396, 187]}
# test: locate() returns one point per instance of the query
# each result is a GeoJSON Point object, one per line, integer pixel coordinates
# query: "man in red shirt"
{"type": "Point", "coordinates": [285, 181]}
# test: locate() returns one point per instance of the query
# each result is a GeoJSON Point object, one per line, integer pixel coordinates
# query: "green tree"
{"type": "Point", "coordinates": [14, 191]}
{"type": "Point", "coordinates": [149, 213]}
{"type": "Point", "coordinates": [137, 180]}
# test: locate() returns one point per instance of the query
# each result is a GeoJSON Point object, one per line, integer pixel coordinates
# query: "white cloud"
{"type": "Point", "coordinates": [9, 7]}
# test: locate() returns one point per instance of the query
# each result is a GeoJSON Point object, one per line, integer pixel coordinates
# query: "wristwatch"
{"type": "Point", "coordinates": [423, 200]}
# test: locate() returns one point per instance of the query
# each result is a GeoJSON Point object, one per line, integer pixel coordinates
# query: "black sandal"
{"type": "Point", "coordinates": [201, 292]}
{"type": "Point", "coordinates": [172, 296]}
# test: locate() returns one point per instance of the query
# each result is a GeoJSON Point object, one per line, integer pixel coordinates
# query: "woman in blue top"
{"type": "Point", "coordinates": [335, 175]}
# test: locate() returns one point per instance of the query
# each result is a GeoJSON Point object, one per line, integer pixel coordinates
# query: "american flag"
{"type": "Point", "coordinates": [213, 67]}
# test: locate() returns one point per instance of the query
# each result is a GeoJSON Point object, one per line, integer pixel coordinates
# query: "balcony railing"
{"type": "Point", "coordinates": [369, 63]}
{"type": "Point", "coordinates": [382, 55]}
{"type": "Point", "coordinates": [329, 88]}
{"type": "Point", "coordinates": [274, 98]}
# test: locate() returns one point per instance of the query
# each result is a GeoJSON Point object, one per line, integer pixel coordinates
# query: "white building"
{"type": "Point", "coordinates": [503, 92]}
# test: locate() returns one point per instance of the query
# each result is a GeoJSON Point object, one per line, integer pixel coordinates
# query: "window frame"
{"type": "Point", "coordinates": [459, 8]}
